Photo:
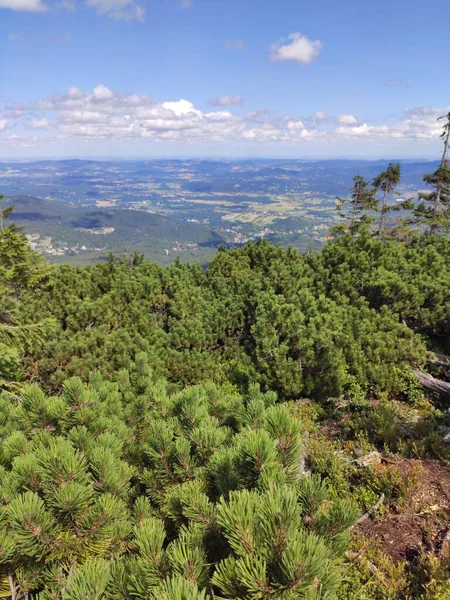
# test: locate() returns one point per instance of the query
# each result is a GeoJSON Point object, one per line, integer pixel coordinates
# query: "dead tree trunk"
{"type": "Point", "coordinates": [431, 383]}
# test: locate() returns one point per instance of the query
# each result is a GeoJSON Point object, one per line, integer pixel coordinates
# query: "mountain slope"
{"type": "Point", "coordinates": [102, 230]}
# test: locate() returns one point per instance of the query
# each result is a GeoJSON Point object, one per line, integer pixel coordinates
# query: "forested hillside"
{"type": "Point", "coordinates": [273, 426]}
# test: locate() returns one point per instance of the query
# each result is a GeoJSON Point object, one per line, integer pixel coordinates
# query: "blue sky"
{"type": "Point", "coordinates": [299, 78]}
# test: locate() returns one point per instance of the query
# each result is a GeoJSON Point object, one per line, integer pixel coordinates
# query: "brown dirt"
{"type": "Point", "coordinates": [418, 525]}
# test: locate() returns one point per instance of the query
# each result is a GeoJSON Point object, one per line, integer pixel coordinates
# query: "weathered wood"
{"type": "Point", "coordinates": [373, 458]}
{"type": "Point", "coordinates": [302, 470]}
{"type": "Point", "coordinates": [438, 363]}
{"type": "Point", "coordinates": [432, 383]}
{"type": "Point", "coordinates": [371, 510]}
{"type": "Point", "coordinates": [441, 361]}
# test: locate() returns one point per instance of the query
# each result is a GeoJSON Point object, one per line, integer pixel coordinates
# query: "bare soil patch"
{"type": "Point", "coordinates": [422, 522]}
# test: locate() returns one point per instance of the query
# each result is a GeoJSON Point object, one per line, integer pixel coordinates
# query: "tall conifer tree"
{"type": "Point", "coordinates": [437, 214]}
{"type": "Point", "coordinates": [386, 182]}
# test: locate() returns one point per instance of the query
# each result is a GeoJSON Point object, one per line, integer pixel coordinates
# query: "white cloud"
{"type": "Point", "coordinates": [83, 116]}
{"type": "Point", "coordinates": [3, 124]}
{"type": "Point", "coordinates": [320, 115]}
{"type": "Point", "coordinates": [219, 115]}
{"type": "Point", "coordinates": [236, 44]}
{"type": "Point", "coordinates": [363, 130]}
{"type": "Point", "coordinates": [417, 124]}
{"type": "Point", "coordinates": [125, 10]}
{"type": "Point", "coordinates": [101, 92]}
{"type": "Point", "coordinates": [260, 115]}
{"type": "Point", "coordinates": [24, 5]}
{"type": "Point", "coordinates": [15, 37]}
{"type": "Point", "coordinates": [139, 12]}
{"type": "Point", "coordinates": [75, 92]}
{"type": "Point", "coordinates": [347, 119]}
{"type": "Point", "coordinates": [420, 123]}
{"type": "Point", "coordinates": [40, 124]}
{"type": "Point", "coordinates": [182, 107]}
{"type": "Point", "coordinates": [14, 112]}
{"type": "Point", "coordinates": [105, 114]}
{"type": "Point", "coordinates": [226, 101]}
{"type": "Point", "coordinates": [295, 124]}
{"type": "Point", "coordinates": [296, 47]}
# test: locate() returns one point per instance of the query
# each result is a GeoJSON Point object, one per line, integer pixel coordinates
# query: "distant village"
{"type": "Point", "coordinates": [46, 245]}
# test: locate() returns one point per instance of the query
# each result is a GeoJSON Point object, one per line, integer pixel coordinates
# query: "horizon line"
{"type": "Point", "coordinates": [212, 158]}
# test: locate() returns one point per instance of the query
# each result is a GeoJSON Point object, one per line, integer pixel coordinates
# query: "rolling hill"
{"type": "Point", "coordinates": [69, 233]}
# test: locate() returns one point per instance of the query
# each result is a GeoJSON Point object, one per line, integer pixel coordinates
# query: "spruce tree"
{"type": "Point", "coordinates": [5, 213]}
{"type": "Point", "coordinates": [386, 182]}
{"type": "Point", "coordinates": [362, 198]}
{"type": "Point", "coordinates": [437, 213]}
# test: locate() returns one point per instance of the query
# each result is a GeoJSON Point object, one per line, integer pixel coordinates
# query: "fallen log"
{"type": "Point", "coordinates": [438, 363]}
{"type": "Point", "coordinates": [444, 365]}
{"type": "Point", "coordinates": [432, 383]}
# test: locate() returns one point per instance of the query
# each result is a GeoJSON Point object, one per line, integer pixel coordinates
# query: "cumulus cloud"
{"type": "Point", "coordinates": [295, 124]}
{"type": "Point", "coordinates": [75, 92]}
{"type": "Point", "coordinates": [347, 119]}
{"type": "Point", "coordinates": [181, 107]}
{"type": "Point", "coordinates": [125, 10]}
{"type": "Point", "coordinates": [107, 114]}
{"type": "Point", "coordinates": [296, 47]}
{"type": "Point", "coordinates": [103, 113]}
{"type": "Point", "coordinates": [363, 130]}
{"type": "Point", "coordinates": [226, 101]}
{"type": "Point", "coordinates": [40, 124]}
{"type": "Point", "coordinates": [236, 44]}
{"type": "Point", "coordinates": [24, 5]}
{"type": "Point", "coordinates": [101, 92]}
{"type": "Point", "coordinates": [417, 124]}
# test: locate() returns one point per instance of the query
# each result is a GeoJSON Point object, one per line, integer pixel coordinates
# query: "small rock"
{"type": "Point", "coordinates": [373, 458]}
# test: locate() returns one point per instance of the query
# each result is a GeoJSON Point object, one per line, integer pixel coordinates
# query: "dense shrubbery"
{"type": "Point", "coordinates": [119, 490]}
{"type": "Point", "coordinates": [297, 324]}
{"type": "Point", "coordinates": [125, 473]}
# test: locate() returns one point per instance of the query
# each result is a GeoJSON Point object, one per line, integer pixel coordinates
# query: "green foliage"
{"type": "Point", "coordinates": [200, 504]}
{"type": "Point", "coordinates": [20, 269]}
{"type": "Point", "coordinates": [299, 325]}
{"type": "Point", "coordinates": [386, 182]}
{"type": "Point", "coordinates": [125, 472]}
{"type": "Point", "coordinates": [361, 199]}
{"type": "Point", "coordinates": [437, 213]}
{"type": "Point", "coordinates": [5, 213]}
